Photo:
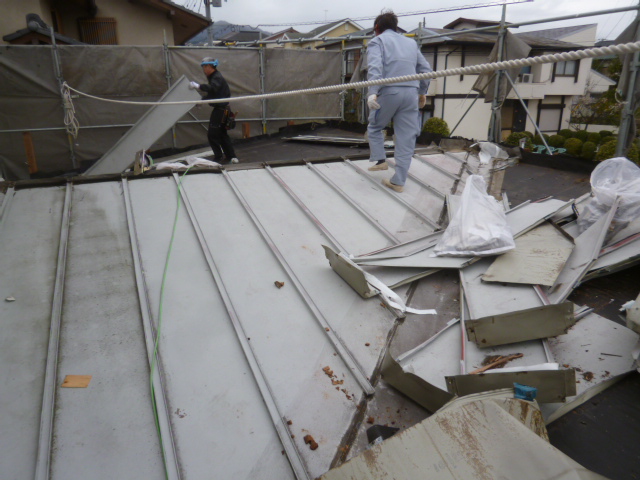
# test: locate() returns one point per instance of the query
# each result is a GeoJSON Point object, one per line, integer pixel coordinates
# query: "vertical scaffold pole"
{"type": "Point", "coordinates": [58, 71]}
{"type": "Point", "coordinates": [628, 111]}
{"type": "Point", "coordinates": [495, 130]}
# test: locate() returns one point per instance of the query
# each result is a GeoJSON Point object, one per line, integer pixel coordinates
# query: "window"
{"type": "Point", "coordinates": [352, 57]}
{"type": "Point", "coordinates": [98, 31]}
{"type": "Point", "coordinates": [550, 116]}
{"type": "Point", "coordinates": [567, 69]}
{"type": "Point", "coordinates": [550, 120]}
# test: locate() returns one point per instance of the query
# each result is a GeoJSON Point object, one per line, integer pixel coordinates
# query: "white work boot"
{"type": "Point", "coordinates": [235, 160]}
{"type": "Point", "coordinates": [392, 186]}
{"type": "Point", "coordinates": [383, 166]}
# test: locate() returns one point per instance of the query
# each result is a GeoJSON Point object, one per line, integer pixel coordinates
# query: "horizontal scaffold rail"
{"type": "Point", "coordinates": [621, 49]}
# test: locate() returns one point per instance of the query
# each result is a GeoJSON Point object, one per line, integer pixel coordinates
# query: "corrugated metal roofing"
{"type": "Point", "coordinates": [242, 371]}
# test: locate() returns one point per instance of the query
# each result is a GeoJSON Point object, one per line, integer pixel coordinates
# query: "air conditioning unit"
{"type": "Point", "coordinates": [526, 78]}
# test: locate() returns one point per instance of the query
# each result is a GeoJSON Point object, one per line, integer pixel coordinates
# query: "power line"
{"type": "Point", "coordinates": [617, 23]}
{"type": "Point", "coordinates": [406, 14]}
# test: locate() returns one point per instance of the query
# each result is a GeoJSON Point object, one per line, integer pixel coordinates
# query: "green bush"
{"type": "Point", "coordinates": [588, 150]}
{"type": "Point", "coordinates": [593, 137]}
{"type": "Point", "coordinates": [436, 125]}
{"type": "Point", "coordinates": [538, 141]}
{"type": "Point", "coordinates": [582, 135]}
{"type": "Point", "coordinates": [608, 150]}
{"type": "Point", "coordinates": [556, 141]}
{"type": "Point", "coordinates": [528, 134]}
{"type": "Point", "coordinates": [566, 133]}
{"type": "Point", "coordinates": [605, 133]}
{"type": "Point", "coordinates": [573, 146]}
{"type": "Point", "coordinates": [514, 139]}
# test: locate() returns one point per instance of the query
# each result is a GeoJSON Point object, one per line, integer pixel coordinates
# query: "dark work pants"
{"type": "Point", "coordinates": [219, 138]}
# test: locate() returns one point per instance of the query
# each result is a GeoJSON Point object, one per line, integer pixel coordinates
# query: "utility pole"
{"type": "Point", "coordinates": [207, 9]}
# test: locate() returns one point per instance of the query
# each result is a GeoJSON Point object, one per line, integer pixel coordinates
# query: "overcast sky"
{"type": "Point", "coordinates": [252, 12]}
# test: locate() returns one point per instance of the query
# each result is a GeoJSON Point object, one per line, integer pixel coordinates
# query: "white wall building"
{"type": "Point", "coordinates": [548, 90]}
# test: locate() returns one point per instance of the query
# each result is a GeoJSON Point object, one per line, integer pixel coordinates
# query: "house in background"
{"type": "Point", "coordinates": [99, 22]}
{"type": "Point", "coordinates": [226, 32]}
{"type": "Point", "coordinates": [353, 46]}
{"type": "Point", "coordinates": [548, 90]}
{"type": "Point", "coordinates": [283, 35]}
{"type": "Point", "coordinates": [334, 29]}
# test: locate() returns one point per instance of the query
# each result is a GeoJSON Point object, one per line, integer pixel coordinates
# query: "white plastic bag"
{"type": "Point", "coordinates": [490, 150]}
{"type": "Point", "coordinates": [479, 227]}
{"type": "Point", "coordinates": [616, 177]}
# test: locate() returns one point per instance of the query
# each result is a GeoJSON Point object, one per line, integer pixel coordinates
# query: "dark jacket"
{"type": "Point", "coordinates": [216, 88]}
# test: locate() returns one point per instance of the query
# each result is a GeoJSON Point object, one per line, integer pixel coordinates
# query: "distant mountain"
{"type": "Point", "coordinates": [225, 30]}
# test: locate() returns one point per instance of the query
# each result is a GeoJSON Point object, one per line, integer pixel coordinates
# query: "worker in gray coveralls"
{"type": "Point", "coordinates": [390, 54]}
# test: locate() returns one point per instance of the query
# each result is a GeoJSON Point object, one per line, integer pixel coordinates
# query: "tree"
{"type": "Point", "coordinates": [599, 109]}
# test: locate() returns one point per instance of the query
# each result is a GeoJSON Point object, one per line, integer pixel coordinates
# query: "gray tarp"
{"type": "Point", "coordinates": [514, 48]}
{"type": "Point", "coordinates": [291, 69]}
{"type": "Point", "coordinates": [30, 98]}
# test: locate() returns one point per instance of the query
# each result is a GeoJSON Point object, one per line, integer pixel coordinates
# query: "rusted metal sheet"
{"type": "Point", "coordinates": [481, 437]}
{"type": "Point", "coordinates": [538, 258]}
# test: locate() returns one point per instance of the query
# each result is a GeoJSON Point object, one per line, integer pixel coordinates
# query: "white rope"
{"type": "Point", "coordinates": [474, 69]}
{"type": "Point", "coordinates": [70, 122]}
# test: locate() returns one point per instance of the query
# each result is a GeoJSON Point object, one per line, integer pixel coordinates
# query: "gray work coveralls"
{"type": "Point", "coordinates": [391, 55]}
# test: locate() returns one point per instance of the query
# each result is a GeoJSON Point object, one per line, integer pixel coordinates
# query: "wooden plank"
{"type": "Point", "coordinates": [30, 152]}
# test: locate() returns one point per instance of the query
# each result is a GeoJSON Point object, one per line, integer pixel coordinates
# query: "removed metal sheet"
{"type": "Point", "coordinates": [586, 251]}
{"type": "Point", "coordinates": [615, 260]}
{"type": "Point", "coordinates": [538, 258]}
{"type": "Point", "coordinates": [349, 272]}
{"type": "Point", "coordinates": [329, 139]}
{"type": "Point", "coordinates": [486, 436]}
{"type": "Point", "coordinates": [420, 372]}
{"type": "Point", "coordinates": [552, 385]}
{"type": "Point", "coordinates": [520, 220]}
{"type": "Point", "coordinates": [529, 324]}
{"type": "Point", "coordinates": [146, 131]}
{"type": "Point", "coordinates": [600, 352]}
{"type": "Point", "coordinates": [355, 275]}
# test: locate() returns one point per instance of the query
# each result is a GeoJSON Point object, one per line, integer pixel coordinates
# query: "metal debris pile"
{"type": "Point", "coordinates": [514, 323]}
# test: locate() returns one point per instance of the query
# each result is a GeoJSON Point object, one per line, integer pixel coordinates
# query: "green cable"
{"type": "Point", "coordinates": [160, 309]}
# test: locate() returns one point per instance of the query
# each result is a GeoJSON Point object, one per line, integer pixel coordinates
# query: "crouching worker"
{"type": "Point", "coordinates": [217, 87]}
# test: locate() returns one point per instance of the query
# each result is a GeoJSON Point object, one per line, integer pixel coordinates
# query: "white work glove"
{"type": "Point", "coordinates": [371, 101]}
{"type": "Point", "coordinates": [194, 85]}
{"type": "Point", "coordinates": [422, 101]}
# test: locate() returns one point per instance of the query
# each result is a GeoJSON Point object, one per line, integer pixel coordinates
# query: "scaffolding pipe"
{"type": "Point", "coordinates": [167, 76]}
{"type": "Point", "coordinates": [343, 77]}
{"type": "Point", "coordinates": [188, 122]}
{"type": "Point", "coordinates": [535, 125]}
{"type": "Point", "coordinates": [628, 111]}
{"type": "Point", "coordinates": [262, 90]}
{"type": "Point", "coordinates": [448, 34]}
{"type": "Point", "coordinates": [465, 114]}
{"type": "Point", "coordinates": [495, 133]}
{"type": "Point", "coordinates": [58, 72]}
